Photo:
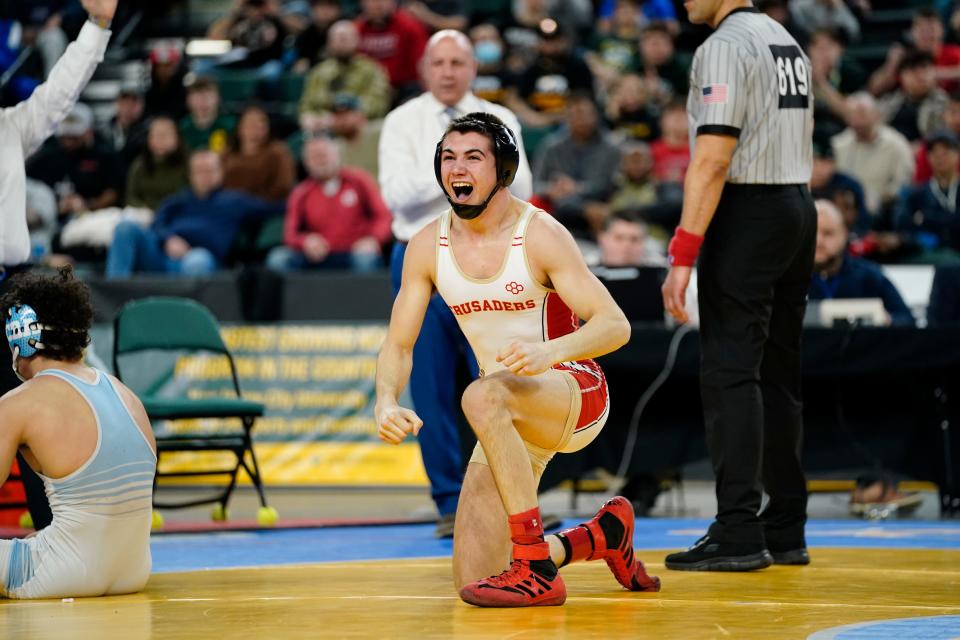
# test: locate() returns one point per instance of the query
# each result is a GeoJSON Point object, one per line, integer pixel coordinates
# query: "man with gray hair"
{"type": "Point", "coordinates": [409, 187]}
{"type": "Point", "coordinates": [872, 152]}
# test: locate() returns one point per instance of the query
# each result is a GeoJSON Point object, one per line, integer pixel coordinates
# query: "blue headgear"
{"type": "Point", "coordinates": [24, 331]}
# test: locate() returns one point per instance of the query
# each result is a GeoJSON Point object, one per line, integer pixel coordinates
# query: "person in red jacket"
{"type": "Point", "coordinates": [335, 218]}
{"type": "Point", "coordinates": [395, 39]}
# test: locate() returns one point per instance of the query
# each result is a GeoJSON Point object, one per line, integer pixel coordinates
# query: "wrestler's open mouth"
{"type": "Point", "coordinates": [462, 190]}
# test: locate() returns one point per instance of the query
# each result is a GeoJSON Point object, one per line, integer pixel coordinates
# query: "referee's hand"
{"type": "Point", "coordinates": [674, 291]}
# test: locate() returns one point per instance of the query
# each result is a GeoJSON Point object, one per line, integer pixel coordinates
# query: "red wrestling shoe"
{"type": "Point", "coordinates": [609, 535]}
{"type": "Point", "coordinates": [527, 583]}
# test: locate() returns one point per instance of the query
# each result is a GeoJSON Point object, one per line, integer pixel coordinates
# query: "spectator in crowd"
{"type": "Point", "coordinates": [666, 76]}
{"type": "Point", "coordinates": [540, 98]}
{"type": "Point", "coordinates": [256, 163]}
{"type": "Point", "coordinates": [840, 275]}
{"type": "Point", "coordinates": [205, 126]}
{"type": "Point", "coordinates": [917, 107]}
{"type": "Point", "coordinates": [410, 190]}
{"type": "Point", "coordinates": [811, 15]}
{"type": "Point", "coordinates": [126, 132]}
{"type": "Point", "coordinates": [634, 186]}
{"type": "Point", "coordinates": [42, 23]}
{"type": "Point", "coordinates": [85, 176]}
{"type": "Point", "coordinates": [257, 34]}
{"type": "Point", "coordinates": [576, 166]}
{"type": "Point", "coordinates": [520, 31]}
{"type": "Point", "coordinates": [624, 243]}
{"type": "Point", "coordinates": [493, 77]}
{"type": "Point", "coordinates": [192, 231]}
{"type": "Point", "coordinates": [629, 113]}
{"type": "Point", "coordinates": [877, 155]}
{"type": "Point", "coordinates": [294, 14]}
{"type": "Point", "coordinates": [43, 217]}
{"type": "Point", "coordinates": [926, 34]}
{"type": "Point", "coordinates": [161, 168]}
{"type": "Point", "coordinates": [637, 190]}
{"type": "Point", "coordinates": [395, 39]}
{"type": "Point", "coordinates": [346, 71]}
{"type": "Point", "coordinates": [526, 17]}
{"type": "Point", "coordinates": [24, 70]}
{"type": "Point", "coordinates": [944, 308]}
{"type": "Point", "coordinates": [826, 183]}
{"type": "Point", "coordinates": [927, 213]}
{"type": "Point", "coordinates": [358, 138]}
{"type": "Point", "coordinates": [835, 76]}
{"type": "Point", "coordinates": [311, 44]}
{"type": "Point", "coordinates": [951, 122]}
{"type": "Point", "coordinates": [167, 93]}
{"type": "Point", "coordinates": [671, 152]}
{"type": "Point", "coordinates": [613, 47]}
{"type": "Point", "coordinates": [647, 11]}
{"type": "Point", "coordinates": [437, 15]}
{"type": "Point", "coordinates": [335, 218]}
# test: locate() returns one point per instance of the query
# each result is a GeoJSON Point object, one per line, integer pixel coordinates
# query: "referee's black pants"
{"type": "Point", "coordinates": [753, 276]}
{"type": "Point", "coordinates": [39, 506]}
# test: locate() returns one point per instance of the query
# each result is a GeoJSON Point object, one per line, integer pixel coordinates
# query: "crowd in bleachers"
{"type": "Point", "coordinates": [292, 112]}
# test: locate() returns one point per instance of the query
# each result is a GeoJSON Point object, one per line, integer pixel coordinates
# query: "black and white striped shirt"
{"type": "Point", "coordinates": [751, 80]}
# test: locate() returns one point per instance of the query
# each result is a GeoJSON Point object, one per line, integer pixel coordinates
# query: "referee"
{"type": "Point", "coordinates": [747, 203]}
{"type": "Point", "coordinates": [23, 129]}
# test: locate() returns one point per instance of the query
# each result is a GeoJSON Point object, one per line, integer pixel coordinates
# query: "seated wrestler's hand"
{"type": "Point", "coordinates": [526, 358]}
{"type": "Point", "coordinates": [395, 422]}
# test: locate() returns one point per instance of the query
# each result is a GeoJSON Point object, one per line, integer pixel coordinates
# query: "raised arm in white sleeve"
{"type": "Point", "coordinates": [37, 117]}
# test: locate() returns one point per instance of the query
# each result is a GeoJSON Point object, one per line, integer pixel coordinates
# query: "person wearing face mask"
{"type": "Point", "coordinates": [345, 71]}
{"type": "Point", "coordinates": [408, 186]}
{"type": "Point", "coordinates": [493, 77]}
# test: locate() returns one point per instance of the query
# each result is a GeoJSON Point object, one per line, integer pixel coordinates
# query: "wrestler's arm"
{"type": "Point", "coordinates": [11, 431]}
{"type": "Point", "coordinates": [396, 355]}
{"type": "Point", "coordinates": [554, 256]}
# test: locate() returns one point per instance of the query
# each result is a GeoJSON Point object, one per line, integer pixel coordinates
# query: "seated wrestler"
{"type": "Point", "coordinates": [88, 438]}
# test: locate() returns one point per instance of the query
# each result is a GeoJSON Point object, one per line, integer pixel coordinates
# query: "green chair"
{"type": "Point", "coordinates": [178, 326]}
{"type": "Point", "coordinates": [237, 86]}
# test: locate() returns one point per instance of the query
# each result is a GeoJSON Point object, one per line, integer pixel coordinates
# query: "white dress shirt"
{"type": "Point", "coordinates": [23, 129]}
{"type": "Point", "coordinates": [407, 144]}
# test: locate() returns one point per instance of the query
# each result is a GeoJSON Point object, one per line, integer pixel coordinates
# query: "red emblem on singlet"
{"type": "Point", "coordinates": [514, 287]}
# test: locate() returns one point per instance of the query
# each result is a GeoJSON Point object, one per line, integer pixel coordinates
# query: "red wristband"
{"type": "Point", "coordinates": [684, 247]}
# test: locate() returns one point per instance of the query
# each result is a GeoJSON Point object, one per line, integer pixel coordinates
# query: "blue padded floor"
{"type": "Point", "coordinates": [188, 552]}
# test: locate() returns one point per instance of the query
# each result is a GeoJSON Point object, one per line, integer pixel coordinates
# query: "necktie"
{"type": "Point", "coordinates": [449, 115]}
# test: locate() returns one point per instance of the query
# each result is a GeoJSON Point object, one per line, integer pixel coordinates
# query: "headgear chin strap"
{"type": "Point", "coordinates": [506, 155]}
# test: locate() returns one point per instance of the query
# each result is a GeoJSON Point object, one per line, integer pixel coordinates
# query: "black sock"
{"type": "Point", "coordinates": [545, 568]}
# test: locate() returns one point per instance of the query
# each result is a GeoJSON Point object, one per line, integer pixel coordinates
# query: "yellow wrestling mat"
{"type": "Point", "coordinates": [415, 599]}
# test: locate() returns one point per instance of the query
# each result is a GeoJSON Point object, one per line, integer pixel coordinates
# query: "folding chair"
{"type": "Point", "coordinates": [168, 324]}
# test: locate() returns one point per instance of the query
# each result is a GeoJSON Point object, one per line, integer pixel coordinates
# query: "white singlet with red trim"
{"type": "Point", "coordinates": [511, 305]}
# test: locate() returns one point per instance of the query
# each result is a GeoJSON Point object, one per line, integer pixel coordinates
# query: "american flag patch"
{"type": "Point", "coordinates": [715, 94]}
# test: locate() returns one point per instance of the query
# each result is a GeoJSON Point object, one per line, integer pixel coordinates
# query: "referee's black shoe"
{"type": "Point", "coordinates": [791, 556]}
{"type": "Point", "coordinates": [710, 554]}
